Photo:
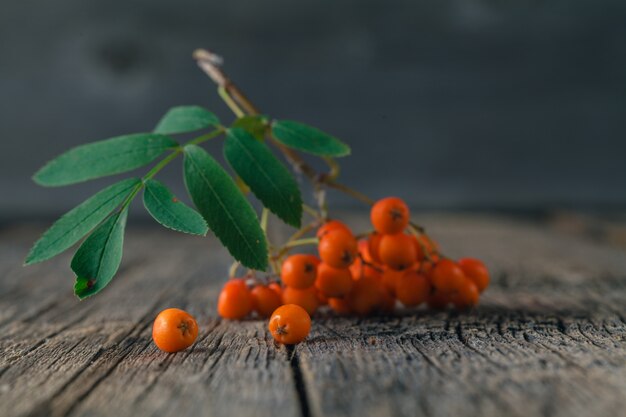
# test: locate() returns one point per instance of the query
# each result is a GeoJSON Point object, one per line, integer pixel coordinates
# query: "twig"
{"type": "Point", "coordinates": [211, 63]}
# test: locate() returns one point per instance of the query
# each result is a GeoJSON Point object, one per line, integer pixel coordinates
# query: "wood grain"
{"type": "Point", "coordinates": [548, 339]}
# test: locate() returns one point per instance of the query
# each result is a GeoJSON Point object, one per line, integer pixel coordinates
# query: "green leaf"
{"type": "Point", "coordinates": [268, 179]}
{"type": "Point", "coordinates": [170, 211]}
{"type": "Point", "coordinates": [228, 214]}
{"type": "Point", "coordinates": [255, 125]}
{"type": "Point", "coordinates": [98, 258]}
{"type": "Point", "coordinates": [76, 223]}
{"type": "Point", "coordinates": [186, 119]}
{"type": "Point", "coordinates": [308, 139]}
{"type": "Point", "coordinates": [106, 157]}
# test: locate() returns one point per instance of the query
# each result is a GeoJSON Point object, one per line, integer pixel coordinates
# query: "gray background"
{"type": "Point", "coordinates": [449, 103]}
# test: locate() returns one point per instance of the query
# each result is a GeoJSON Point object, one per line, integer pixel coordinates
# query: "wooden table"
{"type": "Point", "coordinates": [548, 339]}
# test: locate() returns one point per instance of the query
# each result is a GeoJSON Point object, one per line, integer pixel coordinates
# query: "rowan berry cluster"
{"type": "Point", "coordinates": [393, 264]}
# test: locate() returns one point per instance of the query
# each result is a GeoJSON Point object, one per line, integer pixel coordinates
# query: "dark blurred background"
{"type": "Point", "coordinates": [452, 104]}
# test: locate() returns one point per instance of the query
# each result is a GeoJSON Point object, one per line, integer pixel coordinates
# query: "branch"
{"type": "Point", "coordinates": [211, 64]}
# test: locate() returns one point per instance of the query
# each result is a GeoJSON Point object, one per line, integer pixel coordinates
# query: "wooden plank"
{"type": "Point", "coordinates": [549, 337]}
{"type": "Point", "coordinates": [96, 357]}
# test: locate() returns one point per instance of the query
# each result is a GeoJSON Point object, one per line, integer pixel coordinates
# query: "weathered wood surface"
{"type": "Point", "coordinates": [549, 338]}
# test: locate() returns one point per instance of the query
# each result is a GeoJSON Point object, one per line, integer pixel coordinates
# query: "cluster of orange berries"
{"type": "Point", "coordinates": [363, 276]}
{"type": "Point", "coordinates": [359, 277]}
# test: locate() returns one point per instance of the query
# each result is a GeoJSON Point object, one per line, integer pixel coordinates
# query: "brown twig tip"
{"type": "Point", "coordinates": [205, 55]}
{"type": "Point", "coordinates": [210, 63]}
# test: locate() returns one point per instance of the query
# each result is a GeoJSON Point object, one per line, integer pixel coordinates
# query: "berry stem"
{"type": "Point", "coordinates": [232, 271]}
{"type": "Point", "coordinates": [165, 161]}
{"type": "Point", "coordinates": [240, 105]}
{"type": "Point", "coordinates": [311, 212]}
{"type": "Point", "coordinates": [264, 215]}
{"type": "Point", "coordinates": [301, 242]}
{"type": "Point", "coordinates": [230, 102]}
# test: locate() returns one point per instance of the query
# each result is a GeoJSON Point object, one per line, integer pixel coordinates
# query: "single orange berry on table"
{"type": "Point", "coordinates": [476, 271]}
{"type": "Point", "coordinates": [235, 300]}
{"type": "Point", "coordinates": [397, 251]}
{"type": "Point", "coordinates": [365, 296]}
{"type": "Point", "coordinates": [447, 276]}
{"type": "Point", "coordinates": [412, 289]}
{"type": "Point", "coordinates": [299, 271]}
{"type": "Point", "coordinates": [265, 300]}
{"type": "Point", "coordinates": [390, 215]}
{"type": "Point", "coordinates": [289, 324]}
{"type": "Point", "coordinates": [338, 248]}
{"type": "Point", "coordinates": [305, 298]}
{"type": "Point", "coordinates": [329, 226]}
{"type": "Point", "coordinates": [339, 305]}
{"type": "Point", "coordinates": [333, 282]}
{"type": "Point", "coordinates": [174, 330]}
{"type": "Point", "coordinates": [466, 296]}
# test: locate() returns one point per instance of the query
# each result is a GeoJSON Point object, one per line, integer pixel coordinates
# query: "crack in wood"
{"type": "Point", "coordinates": [300, 385]}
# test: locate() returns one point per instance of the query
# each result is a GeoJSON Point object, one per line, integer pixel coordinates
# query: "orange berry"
{"type": "Point", "coordinates": [265, 300]}
{"type": "Point", "coordinates": [289, 324]}
{"type": "Point", "coordinates": [174, 330]}
{"type": "Point", "coordinates": [390, 279]}
{"type": "Point", "coordinates": [412, 289]}
{"type": "Point", "coordinates": [476, 271]}
{"type": "Point", "coordinates": [365, 296]}
{"type": "Point", "coordinates": [364, 250]}
{"type": "Point", "coordinates": [321, 297]}
{"type": "Point", "coordinates": [359, 268]}
{"type": "Point", "coordinates": [275, 286]}
{"type": "Point", "coordinates": [427, 245]}
{"type": "Point", "coordinates": [466, 296]}
{"type": "Point", "coordinates": [447, 276]}
{"type": "Point", "coordinates": [390, 215]}
{"type": "Point", "coordinates": [333, 282]}
{"type": "Point", "coordinates": [419, 249]}
{"type": "Point", "coordinates": [329, 226]}
{"type": "Point", "coordinates": [438, 300]}
{"type": "Point", "coordinates": [299, 271]}
{"type": "Point", "coordinates": [235, 301]}
{"type": "Point", "coordinates": [397, 251]}
{"type": "Point", "coordinates": [306, 298]}
{"type": "Point", "coordinates": [374, 245]}
{"type": "Point", "coordinates": [339, 306]}
{"type": "Point", "coordinates": [387, 300]}
{"type": "Point", "coordinates": [338, 248]}
{"type": "Point", "coordinates": [426, 267]}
